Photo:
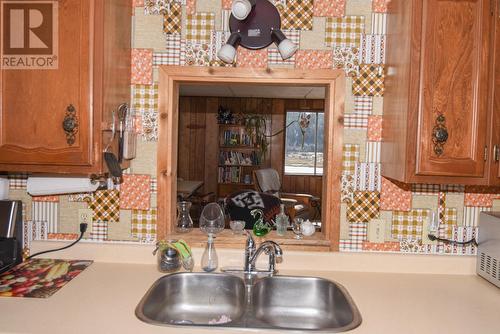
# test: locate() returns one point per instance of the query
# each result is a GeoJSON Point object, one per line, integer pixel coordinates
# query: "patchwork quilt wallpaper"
{"type": "Point", "coordinates": [376, 214]}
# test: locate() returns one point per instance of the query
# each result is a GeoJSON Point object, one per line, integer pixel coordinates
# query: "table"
{"type": "Point", "coordinates": [186, 188]}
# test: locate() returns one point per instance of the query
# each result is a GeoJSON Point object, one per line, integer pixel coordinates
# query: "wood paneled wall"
{"type": "Point", "coordinates": [198, 138]}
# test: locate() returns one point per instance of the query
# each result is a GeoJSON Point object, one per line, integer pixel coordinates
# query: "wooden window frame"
{"type": "Point", "coordinates": [168, 121]}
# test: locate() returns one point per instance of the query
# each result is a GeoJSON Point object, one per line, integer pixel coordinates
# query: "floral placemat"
{"type": "Point", "coordinates": [40, 278]}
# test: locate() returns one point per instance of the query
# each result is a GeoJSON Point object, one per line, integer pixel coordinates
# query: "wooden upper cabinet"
{"type": "Point", "coordinates": [436, 110]}
{"type": "Point", "coordinates": [495, 164]}
{"type": "Point", "coordinates": [92, 79]}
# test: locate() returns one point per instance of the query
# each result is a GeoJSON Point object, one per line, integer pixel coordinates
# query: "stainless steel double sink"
{"type": "Point", "coordinates": [225, 300]}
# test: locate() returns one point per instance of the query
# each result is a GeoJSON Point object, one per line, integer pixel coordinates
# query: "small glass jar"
{"type": "Point", "coordinates": [184, 221]}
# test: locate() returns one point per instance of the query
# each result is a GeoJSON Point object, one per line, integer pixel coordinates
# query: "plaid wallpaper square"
{"type": "Point", "coordinates": [344, 31]}
{"type": "Point", "coordinates": [408, 224]}
{"type": "Point", "coordinates": [99, 230]}
{"type": "Point", "coordinates": [364, 207]}
{"type": "Point", "coordinates": [172, 19]}
{"type": "Point", "coordinates": [358, 231]}
{"type": "Point", "coordinates": [199, 26]}
{"type": "Point", "coordinates": [363, 105]}
{"type": "Point", "coordinates": [145, 97]}
{"type": "Point", "coordinates": [17, 181]}
{"type": "Point", "coordinates": [171, 54]}
{"type": "Point", "coordinates": [350, 155]}
{"type": "Point", "coordinates": [144, 224]}
{"type": "Point", "coordinates": [106, 205]}
{"type": "Point", "coordinates": [425, 189]}
{"type": "Point", "coordinates": [355, 121]}
{"type": "Point", "coordinates": [450, 221]}
{"type": "Point", "coordinates": [297, 14]}
{"type": "Point", "coordinates": [370, 82]}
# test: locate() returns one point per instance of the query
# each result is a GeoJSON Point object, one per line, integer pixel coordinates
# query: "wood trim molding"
{"type": "Point", "coordinates": [170, 79]}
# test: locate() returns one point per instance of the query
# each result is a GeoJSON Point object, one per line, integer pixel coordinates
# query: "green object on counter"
{"type": "Point", "coordinates": [260, 227]}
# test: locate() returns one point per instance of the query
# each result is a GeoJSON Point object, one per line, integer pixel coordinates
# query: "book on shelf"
{"type": "Point", "coordinates": [236, 138]}
{"type": "Point", "coordinates": [238, 158]}
{"type": "Point", "coordinates": [229, 175]}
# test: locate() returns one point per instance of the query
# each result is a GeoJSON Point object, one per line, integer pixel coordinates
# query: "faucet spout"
{"type": "Point", "coordinates": [272, 249]}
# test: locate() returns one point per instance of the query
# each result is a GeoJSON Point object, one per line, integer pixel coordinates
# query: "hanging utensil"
{"type": "Point", "coordinates": [109, 157]}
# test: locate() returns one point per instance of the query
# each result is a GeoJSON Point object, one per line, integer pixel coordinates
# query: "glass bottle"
{"type": "Point", "coordinates": [184, 221]}
{"type": "Point", "coordinates": [209, 260]}
{"type": "Point", "coordinates": [281, 221]}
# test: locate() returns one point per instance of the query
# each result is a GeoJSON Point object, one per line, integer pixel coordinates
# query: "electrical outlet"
{"type": "Point", "coordinates": [426, 227]}
{"type": "Point", "coordinates": [85, 217]}
{"type": "Point", "coordinates": [376, 230]}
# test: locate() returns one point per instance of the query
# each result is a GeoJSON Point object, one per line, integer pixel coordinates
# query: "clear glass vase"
{"type": "Point", "coordinates": [184, 221]}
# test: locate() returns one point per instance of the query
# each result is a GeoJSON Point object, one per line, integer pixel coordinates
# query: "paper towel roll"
{"type": "Point", "coordinates": [44, 186]}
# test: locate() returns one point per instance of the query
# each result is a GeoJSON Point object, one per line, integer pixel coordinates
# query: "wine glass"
{"type": "Point", "coordinates": [211, 222]}
{"type": "Point", "coordinates": [297, 228]}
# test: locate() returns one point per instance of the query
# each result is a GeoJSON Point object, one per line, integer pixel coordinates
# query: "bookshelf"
{"type": "Point", "coordinates": [238, 157]}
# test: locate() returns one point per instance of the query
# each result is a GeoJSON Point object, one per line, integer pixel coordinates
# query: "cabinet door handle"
{"type": "Point", "coordinates": [496, 153]}
{"type": "Point", "coordinates": [70, 124]}
{"type": "Point", "coordinates": [439, 135]}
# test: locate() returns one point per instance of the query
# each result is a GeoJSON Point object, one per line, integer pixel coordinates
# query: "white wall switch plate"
{"type": "Point", "coordinates": [376, 230]}
{"type": "Point", "coordinates": [85, 216]}
{"type": "Point", "coordinates": [426, 226]}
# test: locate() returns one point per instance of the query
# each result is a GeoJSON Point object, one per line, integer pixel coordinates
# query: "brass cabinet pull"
{"type": "Point", "coordinates": [496, 153]}
{"type": "Point", "coordinates": [439, 135]}
{"type": "Point", "coordinates": [70, 124]}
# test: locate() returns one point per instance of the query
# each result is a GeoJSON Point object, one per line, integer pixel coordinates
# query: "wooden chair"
{"type": "Point", "coordinates": [268, 181]}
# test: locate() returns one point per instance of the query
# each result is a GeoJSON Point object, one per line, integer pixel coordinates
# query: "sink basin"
{"type": "Point", "coordinates": [192, 299]}
{"type": "Point", "coordinates": [279, 302]}
{"type": "Point", "coordinates": [304, 303]}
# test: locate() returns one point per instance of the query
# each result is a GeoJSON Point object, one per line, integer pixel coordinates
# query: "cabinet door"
{"type": "Point", "coordinates": [496, 100]}
{"type": "Point", "coordinates": [34, 102]}
{"type": "Point", "coordinates": [455, 40]}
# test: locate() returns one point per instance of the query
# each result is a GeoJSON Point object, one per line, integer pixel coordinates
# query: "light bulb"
{"type": "Point", "coordinates": [287, 48]}
{"type": "Point", "coordinates": [241, 9]}
{"type": "Point", "coordinates": [227, 53]}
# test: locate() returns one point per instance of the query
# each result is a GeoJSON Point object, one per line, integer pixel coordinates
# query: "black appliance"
{"type": "Point", "coordinates": [11, 234]}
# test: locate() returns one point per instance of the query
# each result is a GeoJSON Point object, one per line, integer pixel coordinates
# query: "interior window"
{"type": "Point", "coordinates": [304, 146]}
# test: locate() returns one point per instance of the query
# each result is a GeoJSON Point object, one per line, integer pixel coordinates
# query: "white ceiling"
{"type": "Point", "coordinates": [264, 91]}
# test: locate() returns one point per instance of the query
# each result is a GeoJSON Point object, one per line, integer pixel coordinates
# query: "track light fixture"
{"type": "Point", "coordinates": [255, 24]}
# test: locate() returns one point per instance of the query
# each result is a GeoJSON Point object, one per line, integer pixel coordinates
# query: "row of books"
{"type": "Point", "coordinates": [229, 175]}
{"type": "Point", "coordinates": [238, 158]}
{"type": "Point", "coordinates": [235, 138]}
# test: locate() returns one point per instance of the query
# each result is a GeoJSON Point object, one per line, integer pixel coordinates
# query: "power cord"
{"type": "Point", "coordinates": [83, 229]}
{"type": "Point", "coordinates": [453, 242]}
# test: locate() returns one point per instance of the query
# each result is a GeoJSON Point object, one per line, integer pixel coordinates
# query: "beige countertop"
{"type": "Point", "coordinates": [102, 299]}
